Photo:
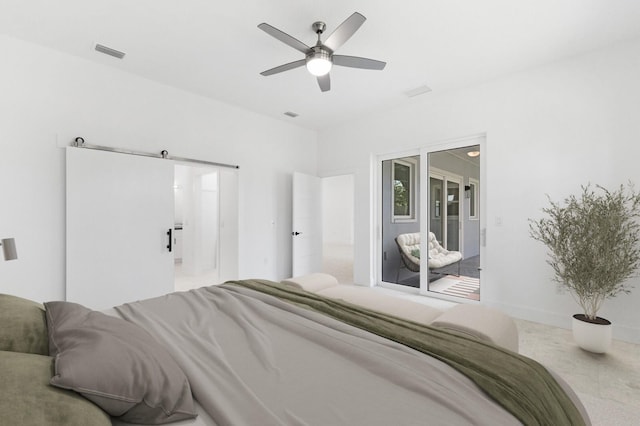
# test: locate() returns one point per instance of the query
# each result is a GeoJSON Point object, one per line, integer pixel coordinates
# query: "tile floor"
{"type": "Point", "coordinates": [608, 385]}
{"type": "Point", "coordinates": [185, 281]}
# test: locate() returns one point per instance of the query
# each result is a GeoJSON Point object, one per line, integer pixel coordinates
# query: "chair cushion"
{"type": "Point", "coordinates": [24, 326]}
{"type": "Point", "coordinates": [439, 256]}
{"type": "Point", "coordinates": [27, 398]}
{"type": "Point", "coordinates": [444, 259]}
{"type": "Point", "coordinates": [410, 245]}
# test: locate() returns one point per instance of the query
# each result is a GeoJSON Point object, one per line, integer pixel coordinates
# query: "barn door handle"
{"type": "Point", "coordinates": [170, 245]}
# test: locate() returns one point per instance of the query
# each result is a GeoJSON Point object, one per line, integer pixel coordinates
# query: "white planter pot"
{"type": "Point", "coordinates": [590, 336]}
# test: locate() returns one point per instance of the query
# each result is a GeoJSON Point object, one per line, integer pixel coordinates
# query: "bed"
{"type": "Point", "coordinates": [255, 352]}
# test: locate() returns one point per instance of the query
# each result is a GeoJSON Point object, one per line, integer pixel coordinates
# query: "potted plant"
{"type": "Point", "coordinates": [593, 250]}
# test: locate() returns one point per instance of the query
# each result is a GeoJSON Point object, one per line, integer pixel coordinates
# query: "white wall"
{"type": "Point", "coordinates": [337, 209]}
{"type": "Point", "coordinates": [48, 98]}
{"type": "Point", "coordinates": [549, 130]}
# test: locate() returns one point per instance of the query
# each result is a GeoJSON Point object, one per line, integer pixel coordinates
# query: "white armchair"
{"type": "Point", "coordinates": [439, 257]}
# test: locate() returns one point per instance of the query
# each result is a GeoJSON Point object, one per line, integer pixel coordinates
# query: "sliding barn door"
{"type": "Point", "coordinates": [120, 209]}
{"type": "Point", "coordinates": [307, 224]}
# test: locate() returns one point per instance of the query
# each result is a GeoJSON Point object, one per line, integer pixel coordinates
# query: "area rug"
{"type": "Point", "coordinates": [461, 286]}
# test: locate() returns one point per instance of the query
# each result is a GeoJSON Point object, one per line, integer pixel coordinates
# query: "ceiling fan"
{"type": "Point", "coordinates": [320, 58]}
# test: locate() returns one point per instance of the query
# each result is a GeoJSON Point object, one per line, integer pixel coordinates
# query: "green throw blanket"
{"type": "Point", "coordinates": [519, 384]}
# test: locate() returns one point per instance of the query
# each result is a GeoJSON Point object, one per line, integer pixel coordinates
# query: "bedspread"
{"type": "Point", "coordinates": [252, 358]}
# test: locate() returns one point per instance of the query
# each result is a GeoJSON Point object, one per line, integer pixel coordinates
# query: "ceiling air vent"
{"type": "Point", "coordinates": [417, 91]}
{"type": "Point", "coordinates": [109, 51]}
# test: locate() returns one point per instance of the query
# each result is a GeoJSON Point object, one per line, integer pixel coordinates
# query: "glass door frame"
{"type": "Point", "coordinates": [376, 231]}
{"type": "Point", "coordinates": [447, 177]}
{"type": "Point", "coordinates": [423, 200]}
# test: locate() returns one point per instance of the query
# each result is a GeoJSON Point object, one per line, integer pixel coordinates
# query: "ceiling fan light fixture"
{"type": "Point", "coordinates": [319, 59]}
{"type": "Point", "coordinates": [319, 62]}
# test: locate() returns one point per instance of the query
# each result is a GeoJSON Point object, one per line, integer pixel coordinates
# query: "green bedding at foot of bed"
{"type": "Point", "coordinates": [519, 384]}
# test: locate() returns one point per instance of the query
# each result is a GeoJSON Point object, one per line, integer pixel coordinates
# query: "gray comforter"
{"type": "Point", "coordinates": [252, 359]}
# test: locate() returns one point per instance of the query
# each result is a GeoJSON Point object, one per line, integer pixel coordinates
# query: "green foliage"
{"type": "Point", "coordinates": [401, 199]}
{"type": "Point", "coordinates": [593, 243]}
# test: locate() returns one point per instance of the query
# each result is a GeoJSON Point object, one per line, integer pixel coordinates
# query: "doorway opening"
{"type": "Point", "coordinates": [196, 239]}
{"type": "Point", "coordinates": [337, 227]}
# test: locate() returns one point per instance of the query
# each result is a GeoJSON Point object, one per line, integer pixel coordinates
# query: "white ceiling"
{"type": "Point", "coordinates": [215, 49]}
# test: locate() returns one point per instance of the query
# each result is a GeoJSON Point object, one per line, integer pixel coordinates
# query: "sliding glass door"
{"type": "Point", "coordinates": [430, 207]}
{"type": "Point", "coordinates": [400, 217]}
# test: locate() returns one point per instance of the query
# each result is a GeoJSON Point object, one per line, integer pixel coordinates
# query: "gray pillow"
{"type": "Point", "coordinates": [117, 365]}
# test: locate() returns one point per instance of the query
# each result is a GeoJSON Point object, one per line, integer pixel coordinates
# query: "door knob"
{"type": "Point", "coordinates": [296, 233]}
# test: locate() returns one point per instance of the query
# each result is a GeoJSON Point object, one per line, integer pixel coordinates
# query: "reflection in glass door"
{"type": "Point", "coordinates": [454, 180]}
{"type": "Point", "coordinates": [444, 209]}
{"type": "Point", "coordinates": [453, 216]}
{"type": "Point", "coordinates": [436, 206]}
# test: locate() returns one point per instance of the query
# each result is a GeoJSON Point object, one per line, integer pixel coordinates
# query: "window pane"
{"type": "Point", "coordinates": [472, 200]}
{"type": "Point", "coordinates": [452, 199]}
{"type": "Point", "coordinates": [401, 189]}
{"type": "Point", "coordinates": [453, 222]}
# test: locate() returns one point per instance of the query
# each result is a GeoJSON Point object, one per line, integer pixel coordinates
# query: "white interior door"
{"type": "Point", "coordinates": [119, 211]}
{"type": "Point", "coordinates": [307, 224]}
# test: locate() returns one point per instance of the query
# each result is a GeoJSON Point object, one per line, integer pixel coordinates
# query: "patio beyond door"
{"type": "Point", "coordinates": [434, 192]}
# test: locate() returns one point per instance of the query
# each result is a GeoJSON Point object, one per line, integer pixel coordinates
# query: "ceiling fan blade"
{"type": "Point", "coordinates": [344, 31]}
{"type": "Point", "coordinates": [285, 38]}
{"type": "Point", "coordinates": [285, 67]}
{"type": "Point", "coordinates": [357, 62]}
{"type": "Point", "coordinates": [324, 82]}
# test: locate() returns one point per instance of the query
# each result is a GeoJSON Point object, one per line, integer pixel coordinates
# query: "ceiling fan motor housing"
{"type": "Point", "coordinates": [319, 52]}
{"type": "Point", "coordinates": [319, 60]}
{"type": "Point", "coordinates": [319, 27]}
